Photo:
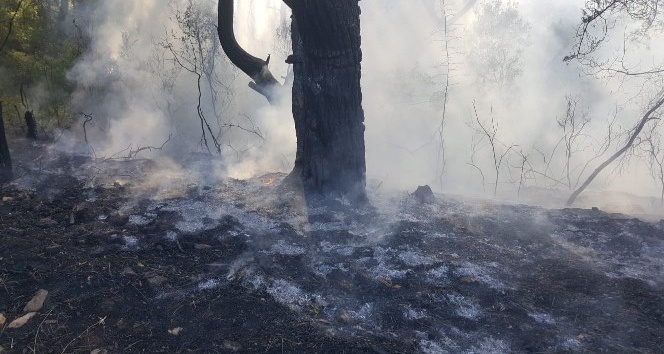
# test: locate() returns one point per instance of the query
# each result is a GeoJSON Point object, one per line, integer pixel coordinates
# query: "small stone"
{"type": "Point", "coordinates": [7, 199]}
{"type": "Point", "coordinates": [175, 331]}
{"type": "Point", "coordinates": [2, 350]}
{"type": "Point", "coordinates": [37, 301]}
{"type": "Point", "coordinates": [3, 319]}
{"type": "Point", "coordinates": [19, 322]}
{"type": "Point", "coordinates": [157, 280]}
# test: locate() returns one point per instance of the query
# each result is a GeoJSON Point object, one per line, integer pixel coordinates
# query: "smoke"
{"type": "Point", "coordinates": [427, 65]}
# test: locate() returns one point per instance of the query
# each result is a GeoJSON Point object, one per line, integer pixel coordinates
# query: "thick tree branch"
{"type": "Point", "coordinates": [263, 80]}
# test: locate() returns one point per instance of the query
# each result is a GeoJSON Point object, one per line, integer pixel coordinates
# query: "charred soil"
{"type": "Point", "coordinates": [236, 266]}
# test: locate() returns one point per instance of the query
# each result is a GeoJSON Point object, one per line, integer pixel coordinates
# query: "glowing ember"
{"type": "Point", "coordinates": [269, 181]}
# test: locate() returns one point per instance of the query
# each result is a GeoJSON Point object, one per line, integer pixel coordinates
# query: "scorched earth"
{"type": "Point", "coordinates": [137, 258]}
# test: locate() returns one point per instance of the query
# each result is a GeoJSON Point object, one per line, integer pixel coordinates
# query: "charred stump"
{"type": "Point", "coordinates": [6, 172]}
{"type": "Point", "coordinates": [31, 123]}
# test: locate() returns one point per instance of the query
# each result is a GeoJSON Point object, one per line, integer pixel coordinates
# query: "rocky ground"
{"type": "Point", "coordinates": [138, 256]}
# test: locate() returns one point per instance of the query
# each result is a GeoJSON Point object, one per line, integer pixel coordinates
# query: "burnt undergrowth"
{"type": "Point", "coordinates": [240, 266]}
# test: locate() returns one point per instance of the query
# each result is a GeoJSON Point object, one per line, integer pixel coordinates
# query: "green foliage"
{"type": "Point", "coordinates": [42, 45]}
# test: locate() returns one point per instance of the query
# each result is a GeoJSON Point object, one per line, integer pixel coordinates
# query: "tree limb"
{"type": "Point", "coordinates": [637, 130]}
{"type": "Point", "coordinates": [257, 69]}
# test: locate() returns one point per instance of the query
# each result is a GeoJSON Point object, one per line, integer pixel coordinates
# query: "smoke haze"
{"type": "Point", "coordinates": [500, 69]}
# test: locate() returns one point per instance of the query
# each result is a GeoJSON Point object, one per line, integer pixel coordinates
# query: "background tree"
{"type": "Point", "coordinates": [327, 99]}
{"type": "Point", "coordinates": [500, 35]}
{"type": "Point", "coordinates": [593, 34]}
{"type": "Point", "coordinates": [45, 42]}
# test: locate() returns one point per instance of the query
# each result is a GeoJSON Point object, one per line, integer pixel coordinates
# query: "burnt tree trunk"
{"type": "Point", "coordinates": [6, 173]}
{"type": "Point", "coordinates": [31, 123]}
{"type": "Point", "coordinates": [327, 98]}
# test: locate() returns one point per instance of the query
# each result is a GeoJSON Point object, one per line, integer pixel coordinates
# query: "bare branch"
{"type": "Point", "coordinates": [635, 133]}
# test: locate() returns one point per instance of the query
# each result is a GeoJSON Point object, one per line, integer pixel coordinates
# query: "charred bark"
{"type": "Point", "coordinates": [31, 123]}
{"type": "Point", "coordinates": [6, 172]}
{"type": "Point", "coordinates": [327, 98]}
{"type": "Point", "coordinates": [257, 69]}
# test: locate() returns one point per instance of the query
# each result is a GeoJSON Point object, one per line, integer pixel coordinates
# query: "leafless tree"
{"type": "Point", "coordinates": [488, 131]}
{"type": "Point", "coordinates": [597, 23]}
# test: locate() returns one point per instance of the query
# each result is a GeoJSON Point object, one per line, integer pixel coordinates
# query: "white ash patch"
{"type": "Point", "coordinates": [364, 313]}
{"type": "Point", "coordinates": [413, 259]}
{"type": "Point", "coordinates": [466, 308]}
{"type": "Point", "coordinates": [288, 294]}
{"type": "Point", "coordinates": [387, 272]}
{"type": "Point", "coordinates": [327, 246]}
{"type": "Point", "coordinates": [323, 270]}
{"type": "Point", "coordinates": [208, 284]}
{"type": "Point", "coordinates": [480, 273]}
{"type": "Point", "coordinates": [413, 314]}
{"type": "Point", "coordinates": [429, 347]}
{"type": "Point", "coordinates": [281, 247]}
{"type": "Point", "coordinates": [543, 318]}
{"type": "Point", "coordinates": [139, 220]}
{"type": "Point", "coordinates": [130, 241]}
{"type": "Point", "coordinates": [171, 236]}
{"type": "Point", "coordinates": [490, 346]}
{"type": "Point", "coordinates": [438, 275]}
{"type": "Point", "coordinates": [570, 344]}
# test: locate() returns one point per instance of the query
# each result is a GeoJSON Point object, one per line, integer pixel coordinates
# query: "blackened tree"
{"type": "Point", "coordinates": [327, 99]}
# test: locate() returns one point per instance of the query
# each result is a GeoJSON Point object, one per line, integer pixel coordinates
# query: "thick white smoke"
{"type": "Point", "coordinates": [139, 95]}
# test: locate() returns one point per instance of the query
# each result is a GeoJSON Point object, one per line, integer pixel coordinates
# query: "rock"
{"type": "Point", "coordinates": [424, 195]}
{"type": "Point", "coordinates": [157, 280]}
{"type": "Point", "coordinates": [2, 350]}
{"type": "Point", "coordinates": [175, 331]}
{"type": "Point", "coordinates": [3, 319]}
{"type": "Point", "coordinates": [19, 322]}
{"type": "Point", "coordinates": [37, 301]}
{"type": "Point", "coordinates": [7, 199]}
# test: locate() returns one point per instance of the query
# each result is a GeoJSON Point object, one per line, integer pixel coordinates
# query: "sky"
{"type": "Point", "coordinates": [141, 96]}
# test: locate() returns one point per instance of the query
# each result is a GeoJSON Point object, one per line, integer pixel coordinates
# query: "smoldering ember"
{"type": "Point", "coordinates": [431, 176]}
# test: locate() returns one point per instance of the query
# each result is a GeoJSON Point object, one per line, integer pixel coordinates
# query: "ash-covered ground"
{"type": "Point", "coordinates": [141, 256]}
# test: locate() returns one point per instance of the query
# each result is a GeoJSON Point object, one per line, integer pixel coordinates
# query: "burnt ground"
{"type": "Point", "coordinates": [137, 258]}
